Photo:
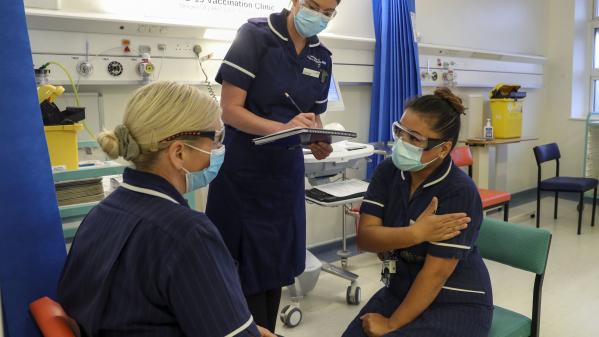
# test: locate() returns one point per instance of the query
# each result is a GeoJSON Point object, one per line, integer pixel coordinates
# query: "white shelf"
{"type": "Point", "coordinates": [454, 51]}
{"type": "Point", "coordinates": [91, 22]}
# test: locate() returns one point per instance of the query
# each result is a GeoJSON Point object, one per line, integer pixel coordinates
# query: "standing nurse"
{"type": "Point", "coordinates": [257, 201]}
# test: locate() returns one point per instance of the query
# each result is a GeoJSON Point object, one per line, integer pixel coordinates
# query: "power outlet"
{"type": "Point", "coordinates": [184, 46]}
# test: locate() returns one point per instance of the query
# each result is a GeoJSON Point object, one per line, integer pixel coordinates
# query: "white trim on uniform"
{"type": "Point", "coordinates": [451, 245]}
{"type": "Point", "coordinates": [241, 328]}
{"type": "Point", "coordinates": [322, 102]}
{"type": "Point", "coordinates": [464, 290]}
{"type": "Point", "coordinates": [402, 176]}
{"type": "Point", "coordinates": [373, 202]}
{"type": "Point", "coordinates": [243, 70]}
{"type": "Point", "coordinates": [1, 317]}
{"type": "Point", "coordinates": [148, 192]}
{"type": "Point", "coordinates": [314, 44]}
{"type": "Point", "coordinates": [275, 31]}
{"type": "Point", "coordinates": [440, 179]}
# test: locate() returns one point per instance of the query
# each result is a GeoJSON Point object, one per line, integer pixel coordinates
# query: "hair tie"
{"type": "Point", "coordinates": [129, 149]}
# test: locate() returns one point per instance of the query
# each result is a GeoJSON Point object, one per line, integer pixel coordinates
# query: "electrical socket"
{"type": "Point", "coordinates": [144, 49]}
{"type": "Point", "coordinates": [162, 46]}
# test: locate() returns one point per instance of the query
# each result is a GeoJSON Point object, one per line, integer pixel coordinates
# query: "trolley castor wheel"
{"type": "Point", "coordinates": [291, 316]}
{"type": "Point", "coordinates": [353, 295]}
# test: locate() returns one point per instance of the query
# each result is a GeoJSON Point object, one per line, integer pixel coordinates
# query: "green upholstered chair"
{"type": "Point", "coordinates": [521, 247]}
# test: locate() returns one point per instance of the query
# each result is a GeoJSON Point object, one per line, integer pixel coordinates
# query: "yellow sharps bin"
{"type": "Point", "coordinates": [62, 145]}
{"type": "Point", "coordinates": [506, 110]}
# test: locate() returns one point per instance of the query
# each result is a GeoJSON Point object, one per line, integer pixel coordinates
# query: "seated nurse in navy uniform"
{"type": "Point", "coordinates": [433, 288]}
{"type": "Point", "coordinates": [143, 263]}
{"type": "Point", "coordinates": [257, 202]}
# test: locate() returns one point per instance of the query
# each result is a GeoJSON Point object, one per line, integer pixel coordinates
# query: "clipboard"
{"type": "Point", "coordinates": [304, 137]}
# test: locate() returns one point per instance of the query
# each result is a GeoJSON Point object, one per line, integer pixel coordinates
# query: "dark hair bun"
{"type": "Point", "coordinates": [454, 101]}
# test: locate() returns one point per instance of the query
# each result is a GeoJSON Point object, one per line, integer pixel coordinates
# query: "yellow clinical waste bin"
{"type": "Point", "coordinates": [62, 145]}
{"type": "Point", "coordinates": [506, 110]}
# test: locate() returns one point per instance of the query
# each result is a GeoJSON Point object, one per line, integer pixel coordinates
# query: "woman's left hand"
{"type": "Point", "coordinates": [376, 325]}
{"type": "Point", "coordinates": [321, 150]}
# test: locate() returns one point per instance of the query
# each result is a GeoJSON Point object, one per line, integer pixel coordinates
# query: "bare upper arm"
{"type": "Point", "coordinates": [231, 96]}
{"type": "Point", "coordinates": [438, 266]}
{"type": "Point", "coordinates": [367, 220]}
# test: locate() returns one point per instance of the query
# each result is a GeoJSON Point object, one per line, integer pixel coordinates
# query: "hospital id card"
{"type": "Point", "coordinates": [311, 72]}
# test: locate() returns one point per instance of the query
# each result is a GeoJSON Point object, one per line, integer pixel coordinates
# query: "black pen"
{"type": "Point", "coordinates": [293, 102]}
{"type": "Point", "coordinates": [298, 146]}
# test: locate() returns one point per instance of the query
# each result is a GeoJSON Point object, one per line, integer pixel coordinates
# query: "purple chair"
{"type": "Point", "coordinates": [547, 152]}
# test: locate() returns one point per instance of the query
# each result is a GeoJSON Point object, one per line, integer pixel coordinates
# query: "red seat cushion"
{"type": "Point", "coordinates": [493, 198]}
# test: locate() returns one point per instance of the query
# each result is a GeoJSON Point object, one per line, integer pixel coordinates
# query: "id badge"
{"type": "Point", "coordinates": [390, 266]}
{"type": "Point", "coordinates": [311, 72]}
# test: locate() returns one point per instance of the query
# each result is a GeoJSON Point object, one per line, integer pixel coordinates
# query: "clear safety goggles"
{"type": "Point", "coordinates": [409, 136]}
{"type": "Point", "coordinates": [313, 6]}
{"type": "Point", "coordinates": [217, 137]}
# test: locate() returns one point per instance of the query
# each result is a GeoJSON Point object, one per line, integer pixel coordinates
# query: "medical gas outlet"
{"type": "Point", "coordinates": [145, 68]}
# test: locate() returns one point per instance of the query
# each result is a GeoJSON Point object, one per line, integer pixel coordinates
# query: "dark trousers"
{"type": "Point", "coordinates": [265, 308]}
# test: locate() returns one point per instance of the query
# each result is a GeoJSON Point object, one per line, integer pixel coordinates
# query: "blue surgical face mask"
{"type": "Point", "coordinates": [406, 156]}
{"type": "Point", "coordinates": [199, 179]}
{"type": "Point", "coordinates": [309, 22]}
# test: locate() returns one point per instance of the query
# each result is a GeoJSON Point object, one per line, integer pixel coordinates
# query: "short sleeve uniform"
{"type": "Point", "coordinates": [464, 305]}
{"type": "Point", "coordinates": [257, 200]}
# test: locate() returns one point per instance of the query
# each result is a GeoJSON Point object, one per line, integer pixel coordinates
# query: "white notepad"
{"type": "Point", "coordinates": [305, 136]}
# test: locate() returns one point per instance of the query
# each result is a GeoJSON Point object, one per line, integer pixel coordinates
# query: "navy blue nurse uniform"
{"type": "Point", "coordinates": [464, 306]}
{"type": "Point", "coordinates": [144, 264]}
{"type": "Point", "coordinates": [257, 200]}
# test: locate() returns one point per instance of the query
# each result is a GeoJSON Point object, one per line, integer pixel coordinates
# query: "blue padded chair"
{"type": "Point", "coordinates": [548, 152]}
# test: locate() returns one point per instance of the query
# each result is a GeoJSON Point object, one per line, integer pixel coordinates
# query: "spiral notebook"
{"type": "Point", "coordinates": [304, 137]}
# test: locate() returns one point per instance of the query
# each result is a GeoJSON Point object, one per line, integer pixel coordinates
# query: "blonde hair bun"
{"type": "Point", "coordinates": [109, 144]}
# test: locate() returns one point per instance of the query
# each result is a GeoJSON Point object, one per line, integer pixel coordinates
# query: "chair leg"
{"type": "Point", "coordinates": [580, 208]}
{"type": "Point", "coordinates": [538, 207]}
{"type": "Point", "coordinates": [594, 206]}
{"type": "Point", "coordinates": [555, 207]}
{"type": "Point", "coordinates": [506, 211]}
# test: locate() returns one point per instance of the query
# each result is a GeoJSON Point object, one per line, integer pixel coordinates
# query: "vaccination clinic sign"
{"type": "Point", "coordinates": [212, 13]}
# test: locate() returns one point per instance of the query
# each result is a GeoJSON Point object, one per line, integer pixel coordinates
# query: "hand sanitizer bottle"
{"type": "Point", "coordinates": [488, 131]}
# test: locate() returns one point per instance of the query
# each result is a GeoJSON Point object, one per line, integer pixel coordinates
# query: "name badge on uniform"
{"type": "Point", "coordinates": [311, 72]}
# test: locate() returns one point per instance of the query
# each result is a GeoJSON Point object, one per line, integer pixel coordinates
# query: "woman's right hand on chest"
{"type": "Point", "coordinates": [432, 227]}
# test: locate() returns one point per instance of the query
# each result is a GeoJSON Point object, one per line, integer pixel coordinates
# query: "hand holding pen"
{"type": "Point", "coordinates": [302, 119]}
{"type": "Point", "coordinates": [320, 150]}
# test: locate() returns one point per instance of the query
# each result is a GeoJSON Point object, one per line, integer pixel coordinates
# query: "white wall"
{"type": "Point", "coordinates": [515, 26]}
{"type": "Point", "coordinates": [354, 18]}
{"type": "Point", "coordinates": [568, 80]}
{"type": "Point", "coordinates": [512, 26]}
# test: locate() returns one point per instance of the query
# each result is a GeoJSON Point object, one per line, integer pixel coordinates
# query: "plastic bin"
{"type": "Point", "coordinates": [307, 280]}
{"type": "Point", "coordinates": [62, 145]}
{"type": "Point", "coordinates": [506, 111]}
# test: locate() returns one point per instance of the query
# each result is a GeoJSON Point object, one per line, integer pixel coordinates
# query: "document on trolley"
{"type": "Point", "coordinates": [344, 188]}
